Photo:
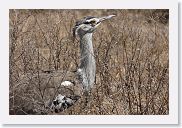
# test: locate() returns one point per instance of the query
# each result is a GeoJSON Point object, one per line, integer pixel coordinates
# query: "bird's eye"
{"type": "Point", "coordinates": [92, 22]}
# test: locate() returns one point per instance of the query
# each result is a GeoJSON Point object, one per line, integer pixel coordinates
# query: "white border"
{"type": "Point", "coordinates": [172, 118]}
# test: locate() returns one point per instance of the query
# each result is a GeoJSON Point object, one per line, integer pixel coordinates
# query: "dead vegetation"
{"type": "Point", "coordinates": [131, 52]}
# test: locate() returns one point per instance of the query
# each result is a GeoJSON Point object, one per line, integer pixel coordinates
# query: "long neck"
{"type": "Point", "coordinates": [87, 61]}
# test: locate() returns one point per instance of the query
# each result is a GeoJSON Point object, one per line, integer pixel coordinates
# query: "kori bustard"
{"type": "Point", "coordinates": [86, 71]}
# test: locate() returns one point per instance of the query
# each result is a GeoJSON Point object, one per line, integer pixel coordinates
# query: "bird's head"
{"type": "Point", "coordinates": [88, 25]}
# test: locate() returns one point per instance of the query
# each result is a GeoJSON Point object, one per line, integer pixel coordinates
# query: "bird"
{"type": "Point", "coordinates": [86, 71]}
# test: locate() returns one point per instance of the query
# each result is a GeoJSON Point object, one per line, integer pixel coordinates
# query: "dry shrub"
{"type": "Point", "coordinates": [131, 52]}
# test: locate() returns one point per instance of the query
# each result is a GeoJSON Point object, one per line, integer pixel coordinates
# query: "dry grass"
{"type": "Point", "coordinates": [131, 53]}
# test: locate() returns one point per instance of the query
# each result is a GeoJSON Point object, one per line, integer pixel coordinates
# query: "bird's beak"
{"type": "Point", "coordinates": [106, 18]}
{"type": "Point", "coordinates": [103, 19]}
